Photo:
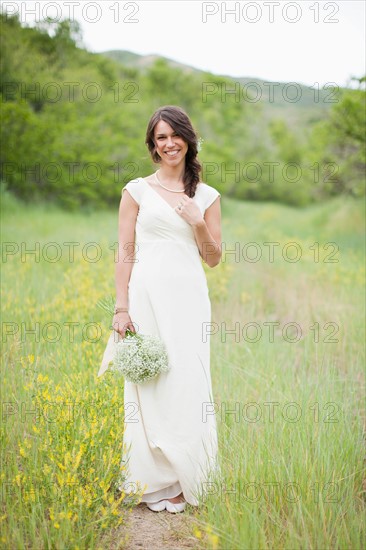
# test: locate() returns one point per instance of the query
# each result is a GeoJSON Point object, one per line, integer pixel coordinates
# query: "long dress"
{"type": "Point", "coordinates": [170, 432]}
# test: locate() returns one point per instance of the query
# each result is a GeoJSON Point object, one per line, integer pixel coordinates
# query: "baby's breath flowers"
{"type": "Point", "coordinates": [136, 357]}
{"type": "Point", "coordinates": [140, 358]}
{"type": "Point", "coordinates": [199, 144]}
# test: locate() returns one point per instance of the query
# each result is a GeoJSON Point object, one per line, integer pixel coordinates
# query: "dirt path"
{"type": "Point", "coordinates": [148, 530]}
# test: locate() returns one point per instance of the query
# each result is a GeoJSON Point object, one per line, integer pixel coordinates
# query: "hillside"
{"type": "Point", "coordinates": [294, 102]}
{"type": "Point", "coordinates": [74, 124]}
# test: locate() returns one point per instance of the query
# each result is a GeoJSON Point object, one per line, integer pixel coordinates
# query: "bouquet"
{"type": "Point", "coordinates": [138, 358]}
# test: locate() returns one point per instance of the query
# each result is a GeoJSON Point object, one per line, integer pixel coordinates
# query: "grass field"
{"type": "Point", "coordinates": [287, 363]}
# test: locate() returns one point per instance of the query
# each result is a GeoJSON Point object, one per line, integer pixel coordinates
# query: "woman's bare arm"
{"type": "Point", "coordinates": [207, 233]}
{"type": "Point", "coordinates": [128, 210]}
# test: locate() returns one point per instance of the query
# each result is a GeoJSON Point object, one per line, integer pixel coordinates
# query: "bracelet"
{"type": "Point", "coordinates": [120, 309]}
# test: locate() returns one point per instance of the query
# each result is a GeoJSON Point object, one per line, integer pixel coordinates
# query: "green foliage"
{"type": "Point", "coordinates": [339, 144]}
{"type": "Point", "coordinates": [74, 123]}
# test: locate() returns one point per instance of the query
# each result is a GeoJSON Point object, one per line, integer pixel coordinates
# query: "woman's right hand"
{"type": "Point", "coordinates": [121, 322]}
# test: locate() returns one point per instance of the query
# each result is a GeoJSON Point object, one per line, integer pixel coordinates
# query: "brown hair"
{"type": "Point", "coordinates": [181, 124]}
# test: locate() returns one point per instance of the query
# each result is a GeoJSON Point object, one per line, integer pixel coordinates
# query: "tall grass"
{"type": "Point", "coordinates": [290, 415]}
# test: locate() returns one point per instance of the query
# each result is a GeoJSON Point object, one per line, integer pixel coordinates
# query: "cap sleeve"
{"type": "Point", "coordinates": [211, 196]}
{"type": "Point", "coordinates": [134, 187]}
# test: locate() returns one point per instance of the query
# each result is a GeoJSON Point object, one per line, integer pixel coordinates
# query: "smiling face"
{"type": "Point", "coordinates": [170, 147]}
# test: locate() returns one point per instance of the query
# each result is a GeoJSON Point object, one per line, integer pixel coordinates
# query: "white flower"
{"type": "Point", "coordinates": [199, 144]}
{"type": "Point", "coordinates": [140, 358]}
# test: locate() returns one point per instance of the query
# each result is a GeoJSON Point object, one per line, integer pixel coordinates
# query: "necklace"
{"type": "Point", "coordinates": [167, 188]}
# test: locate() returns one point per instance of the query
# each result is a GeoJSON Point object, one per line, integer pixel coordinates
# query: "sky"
{"type": "Point", "coordinates": [309, 42]}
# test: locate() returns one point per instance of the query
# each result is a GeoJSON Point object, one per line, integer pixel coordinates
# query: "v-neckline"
{"type": "Point", "coordinates": [156, 193]}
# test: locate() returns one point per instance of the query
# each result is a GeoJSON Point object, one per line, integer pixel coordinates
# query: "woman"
{"type": "Point", "coordinates": [168, 221]}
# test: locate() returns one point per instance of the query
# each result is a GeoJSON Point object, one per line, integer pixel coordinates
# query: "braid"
{"type": "Point", "coordinates": [191, 173]}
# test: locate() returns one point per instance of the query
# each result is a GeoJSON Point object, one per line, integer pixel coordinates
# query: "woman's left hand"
{"type": "Point", "coordinates": [189, 210]}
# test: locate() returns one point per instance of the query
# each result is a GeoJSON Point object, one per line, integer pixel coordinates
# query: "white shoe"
{"type": "Point", "coordinates": [156, 506]}
{"type": "Point", "coordinates": [175, 507]}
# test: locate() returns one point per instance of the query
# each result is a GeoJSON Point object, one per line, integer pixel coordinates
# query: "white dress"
{"type": "Point", "coordinates": [170, 431]}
